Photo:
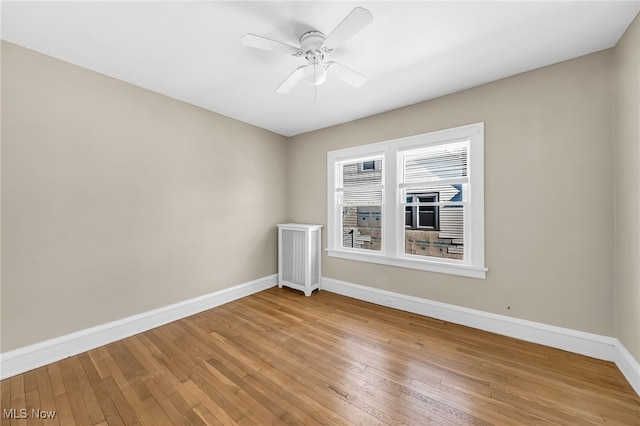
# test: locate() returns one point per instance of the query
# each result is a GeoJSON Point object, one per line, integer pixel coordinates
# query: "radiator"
{"type": "Point", "coordinates": [299, 256]}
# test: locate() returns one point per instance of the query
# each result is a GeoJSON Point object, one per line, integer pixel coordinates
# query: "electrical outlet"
{"type": "Point", "coordinates": [389, 301]}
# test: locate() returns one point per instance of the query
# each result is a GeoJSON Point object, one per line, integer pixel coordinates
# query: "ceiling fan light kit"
{"type": "Point", "coordinates": [314, 46]}
{"type": "Point", "coordinates": [315, 72]}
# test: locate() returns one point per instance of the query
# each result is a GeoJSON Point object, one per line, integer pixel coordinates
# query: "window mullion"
{"type": "Point", "coordinates": [390, 202]}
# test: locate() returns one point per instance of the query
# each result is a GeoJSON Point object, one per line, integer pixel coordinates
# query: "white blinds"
{"type": "Point", "coordinates": [360, 185]}
{"type": "Point", "coordinates": [435, 165]}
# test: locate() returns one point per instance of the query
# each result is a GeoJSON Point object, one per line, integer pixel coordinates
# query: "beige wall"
{"type": "Point", "coordinates": [117, 200]}
{"type": "Point", "coordinates": [548, 184]}
{"type": "Point", "coordinates": [627, 195]}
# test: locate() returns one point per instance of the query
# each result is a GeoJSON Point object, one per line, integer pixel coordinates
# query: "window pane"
{"type": "Point", "coordinates": [360, 173]}
{"type": "Point", "coordinates": [447, 242]}
{"type": "Point", "coordinates": [427, 217]}
{"type": "Point", "coordinates": [422, 217]}
{"type": "Point", "coordinates": [361, 183]}
{"type": "Point", "coordinates": [361, 227]}
{"type": "Point", "coordinates": [360, 196]}
{"type": "Point", "coordinates": [408, 217]}
{"type": "Point", "coordinates": [436, 163]}
{"type": "Point", "coordinates": [452, 222]}
{"type": "Point", "coordinates": [369, 165]}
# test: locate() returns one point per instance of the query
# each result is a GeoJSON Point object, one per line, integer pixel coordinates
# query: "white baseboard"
{"type": "Point", "coordinates": [592, 345]}
{"type": "Point", "coordinates": [597, 346]}
{"type": "Point", "coordinates": [33, 356]}
{"type": "Point", "coordinates": [628, 365]}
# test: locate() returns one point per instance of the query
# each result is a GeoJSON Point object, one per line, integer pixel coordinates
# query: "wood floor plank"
{"type": "Point", "coordinates": [155, 415]}
{"type": "Point", "coordinates": [32, 399]}
{"type": "Point", "coordinates": [164, 380]}
{"type": "Point", "coordinates": [5, 395]}
{"type": "Point", "coordinates": [183, 408]}
{"type": "Point", "coordinates": [208, 409]}
{"type": "Point", "coordinates": [175, 416]}
{"type": "Point", "coordinates": [97, 359]}
{"type": "Point", "coordinates": [125, 397]}
{"type": "Point", "coordinates": [55, 379]}
{"type": "Point", "coordinates": [279, 358]}
{"type": "Point", "coordinates": [228, 403]}
{"type": "Point", "coordinates": [30, 381]}
{"type": "Point", "coordinates": [64, 412]}
{"type": "Point", "coordinates": [18, 399]}
{"type": "Point", "coordinates": [89, 398]}
{"type": "Point", "coordinates": [291, 413]}
{"type": "Point", "coordinates": [125, 411]}
{"type": "Point", "coordinates": [209, 418]}
{"type": "Point", "coordinates": [248, 405]}
{"type": "Point", "coordinates": [107, 408]}
{"type": "Point", "coordinates": [130, 368]}
{"type": "Point", "coordinates": [73, 391]}
{"type": "Point", "coordinates": [47, 401]}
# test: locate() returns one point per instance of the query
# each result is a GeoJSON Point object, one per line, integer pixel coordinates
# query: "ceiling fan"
{"type": "Point", "coordinates": [314, 46]}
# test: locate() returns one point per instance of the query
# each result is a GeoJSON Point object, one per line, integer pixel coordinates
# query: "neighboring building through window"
{"type": "Point", "coordinates": [409, 202]}
{"type": "Point", "coordinates": [369, 165]}
{"type": "Point", "coordinates": [422, 216]}
{"type": "Point", "coordinates": [361, 201]}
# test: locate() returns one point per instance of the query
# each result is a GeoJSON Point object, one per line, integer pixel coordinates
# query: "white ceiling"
{"type": "Point", "coordinates": [411, 52]}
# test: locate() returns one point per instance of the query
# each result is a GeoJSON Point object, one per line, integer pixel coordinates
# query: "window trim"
{"type": "Point", "coordinates": [392, 252]}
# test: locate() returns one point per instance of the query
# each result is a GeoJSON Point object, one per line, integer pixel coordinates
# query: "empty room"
{"type": "Point", "coordinates": [320, 213]}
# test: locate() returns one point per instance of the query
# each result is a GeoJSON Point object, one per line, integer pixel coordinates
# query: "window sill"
{"type": "Point", "coordinates": [406, 262]}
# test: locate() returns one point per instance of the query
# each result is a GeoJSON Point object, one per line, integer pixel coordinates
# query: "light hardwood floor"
{"type": "Point", "coordinates": [277, 357]}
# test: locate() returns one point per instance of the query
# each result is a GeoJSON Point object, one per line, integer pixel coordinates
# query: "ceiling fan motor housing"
{"type": "Point", "coordinates": [311, 46]}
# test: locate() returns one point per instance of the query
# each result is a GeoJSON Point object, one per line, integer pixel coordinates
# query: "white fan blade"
{"type": "Point", "coordinates": [354, 22]}
{"type": "Point", "coordinates": [259, 42]}
{"type": "Point", "coordinates": [292, 80]}
{"type": "Point", "coordinates": [352, 77]}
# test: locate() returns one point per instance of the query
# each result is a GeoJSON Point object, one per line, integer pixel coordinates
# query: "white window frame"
{"type": "Point", "coordinates": [392, 247]}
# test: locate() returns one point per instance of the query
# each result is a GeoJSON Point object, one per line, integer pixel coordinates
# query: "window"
{"type": "Point", "coordinates": [416, 202]}
{"type": "Point", "coordinates": [423, 216]}
{"type": "Point", "coordinates": [369, 165]}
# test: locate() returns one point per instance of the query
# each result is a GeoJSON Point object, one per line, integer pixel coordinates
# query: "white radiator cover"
{"type": "Point", "coordinates": [299, 256]}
